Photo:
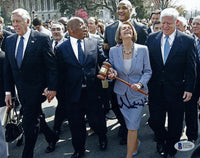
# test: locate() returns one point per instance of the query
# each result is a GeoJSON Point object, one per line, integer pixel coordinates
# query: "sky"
{"type": "Point", "coordinates": [189, 4]}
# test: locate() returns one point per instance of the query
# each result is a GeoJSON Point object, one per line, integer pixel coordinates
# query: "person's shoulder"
{"type": "Point", "coordinates": [139, 46]}
{"type": "Point", "coordinates": [11, 36]}
{"type": "Point", "coordinates": [112, 24]}
{"type": "Point", "coordinates": [38, 34]}
{"type": "Point", "coordinates": [184, 36]}
{"type": "Point", "coordinates": [155, 34]}
{"type": "Point", "coordinates": [138, 24]}
{"type": "Point", "coordinates": [115, 48]}
{"type": "Point", "coordinates": [6, 33]}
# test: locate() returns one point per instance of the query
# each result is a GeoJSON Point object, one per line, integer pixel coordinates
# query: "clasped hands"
{"type": "Point", "coordinates": [112, 73]}
{"type": "Point", "coordinates": [49, 94]}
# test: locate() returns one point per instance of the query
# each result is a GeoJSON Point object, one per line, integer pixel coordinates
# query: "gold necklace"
{"type": "Point", "coordinates": [128, 52]}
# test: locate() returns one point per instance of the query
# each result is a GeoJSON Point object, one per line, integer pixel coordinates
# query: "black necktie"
{"type": "Point", "coordinates": [20, 50]}
{"type": "Point", "coordinates": [55, 46]}
{"type": "Point", "coordinates": [80, 52]}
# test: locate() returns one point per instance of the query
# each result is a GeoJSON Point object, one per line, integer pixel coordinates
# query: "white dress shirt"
{"type": "Point", "coordinates": [75, 45]}
{"type": "Point", "coordinates": [170, 39]}
{"type": "Point", "coordinates": [26, 37]}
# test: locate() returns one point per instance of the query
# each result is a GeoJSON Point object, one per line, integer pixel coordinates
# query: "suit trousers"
{"type": "Point", "coordinates": [50, 136]}
{"type": "Point", "coordinates": [60, 114]}
{"type": "Point", "coordinates": [158, 108]}
{"type": "Point", "coordinates": [76, 116]}
{"type": "Point", "coordinates": [31, 123]}
{"type": "Point", "coordinates": [191, 114]}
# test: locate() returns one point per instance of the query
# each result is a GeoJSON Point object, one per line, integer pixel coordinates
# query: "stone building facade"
{"type": "Point", "coordinates": [44, 9]}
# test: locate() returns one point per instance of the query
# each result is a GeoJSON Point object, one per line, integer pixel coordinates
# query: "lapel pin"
{"type": "Point", "coordinates": [32, 41]}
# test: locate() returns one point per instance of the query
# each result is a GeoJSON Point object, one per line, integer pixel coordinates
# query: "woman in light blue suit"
{"type": "Point", "coordinates": [130, 62]}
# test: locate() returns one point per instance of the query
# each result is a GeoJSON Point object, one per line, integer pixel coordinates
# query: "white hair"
{"type": "Point", "coordinates": [196, 18]}
{"type": "Point", "coordinates": [169, 12]}
{"type": "Point", "coordinates": [126, 2]}
{"type": "Point", "coordinates": [23, 13]}
{"type": "Point", "coordinates": [182, 20]}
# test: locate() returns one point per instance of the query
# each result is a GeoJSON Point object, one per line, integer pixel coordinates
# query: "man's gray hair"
{"type": "Point", "coordinates": [23, 13]}
{"type": "Point", "coordinates": [169, 12]}
{"type": "Point", "coordinates": [182, 20]}
{"type": "Point", "coordinates": [196, 18]}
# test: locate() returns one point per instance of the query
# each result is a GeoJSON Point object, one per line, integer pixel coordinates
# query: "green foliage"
{"type": "Point", "coordinates": [68, 7]}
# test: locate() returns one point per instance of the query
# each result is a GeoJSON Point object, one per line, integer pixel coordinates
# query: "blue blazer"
{"type": "Point", "coordinates": [72, 73]}
{"type": "Point", "coordinates": [178, 73]}
{"type": "Point", "coordinates": [37, 71]}
{"type": "Point", "coordinates": [140, 69]}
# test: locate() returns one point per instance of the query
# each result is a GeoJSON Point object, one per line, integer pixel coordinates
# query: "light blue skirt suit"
{"type": "Point", "coordinates": [131, 102]}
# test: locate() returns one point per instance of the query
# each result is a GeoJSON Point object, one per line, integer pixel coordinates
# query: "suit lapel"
{"type": "Point", "coordinates": [31, 42]}
{"type": "Point", "coordinates": [157, 45]}
{"type": "Point", "coordinates": [120, 59]}
{"type": "Point", "coordinates": [175, 46]}
{"type": "Point", "coordinates": [71, 51]}
{"type": "Point", "coordinates": [134, 58]}
{"type": "Point", "coordinates": [13, 46]}
{"type": "Point", "coordinates": [86, 47]}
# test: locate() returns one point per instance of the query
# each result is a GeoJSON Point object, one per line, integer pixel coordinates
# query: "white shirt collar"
{"type": "Point", "coordinates": [172, 36]}
{"type": "Point", "coordinates": [27, 34]}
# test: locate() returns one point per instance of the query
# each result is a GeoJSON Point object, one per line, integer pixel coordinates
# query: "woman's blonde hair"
{"type": "Point", "coordinates": [118, 36]}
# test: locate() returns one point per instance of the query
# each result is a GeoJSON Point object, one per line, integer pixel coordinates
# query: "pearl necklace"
{"type": "Point", "coordinates": [128, 52]}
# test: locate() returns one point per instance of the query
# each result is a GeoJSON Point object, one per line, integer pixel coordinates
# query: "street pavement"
{"type": "Point", "coordinates": [64, 147]}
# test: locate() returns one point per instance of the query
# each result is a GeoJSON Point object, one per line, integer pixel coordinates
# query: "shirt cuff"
{"type": "Point", "coordinates": [8, 93]}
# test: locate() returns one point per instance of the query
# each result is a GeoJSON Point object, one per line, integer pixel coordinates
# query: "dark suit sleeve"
{"type": "Point", "coordinates": [101, 55]}
{"type": "Point", "coordinates": [190, 73]}
{"type": "Point", "coordinates": [8, 76]}
{"type": "Point", "coordinates": [141, 32]}
{"type": "Point", "coordinates": [50, 63]}
{"type": "Point", "coordinates": [5, 34]}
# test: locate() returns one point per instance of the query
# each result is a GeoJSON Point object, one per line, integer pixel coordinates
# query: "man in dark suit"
{"type": "Point", "coordinates": [172, 58]}
{"type": "Point", "coordinates": [124, 11]}
{"type": "Point", "coordinates": [57, 30]}
{"type": "Point", "coordinates": [78, 60]}
{"type": "Point", "coordinates": [191, 107]}
{"type": "Point", "coordinates": [30, 65]}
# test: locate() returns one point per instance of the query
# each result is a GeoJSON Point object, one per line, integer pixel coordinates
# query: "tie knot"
{"type": "Point", "coordinates": [56, 43]}
{"type": "Point", "coordinates": [167, 37]}
{"type": "Point", "coordinates": [21, 38]}
{"type": "Point", "coordinates": [79, 41]}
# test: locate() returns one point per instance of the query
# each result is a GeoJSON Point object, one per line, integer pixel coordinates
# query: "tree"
{"type": "Point", "coordinates": [92, 7]}
{"type": "Point", "coordinates": [6, 9]}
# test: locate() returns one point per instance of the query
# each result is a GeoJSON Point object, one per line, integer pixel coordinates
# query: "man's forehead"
{"type": "Point", "coordinates": [56, 26]}
{"type": "Point", "coordinates": [125, 3]}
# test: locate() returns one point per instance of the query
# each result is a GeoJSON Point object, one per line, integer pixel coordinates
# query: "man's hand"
{"type": "Point", "coordinates": [187, 96]}
{"type": "Point", "coordinates": [49, 94]}
{"type": "Point", "coordinates": [8, 100]}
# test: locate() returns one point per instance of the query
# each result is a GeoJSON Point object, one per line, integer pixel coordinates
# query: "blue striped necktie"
{"type": "Point", "coordinates": [166, 48]}
{"type": "Point", "coordinates": [20, 50]}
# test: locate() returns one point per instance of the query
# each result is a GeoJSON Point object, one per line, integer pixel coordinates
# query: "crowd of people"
{"type": "Point", "coordinates": [62, 59]}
